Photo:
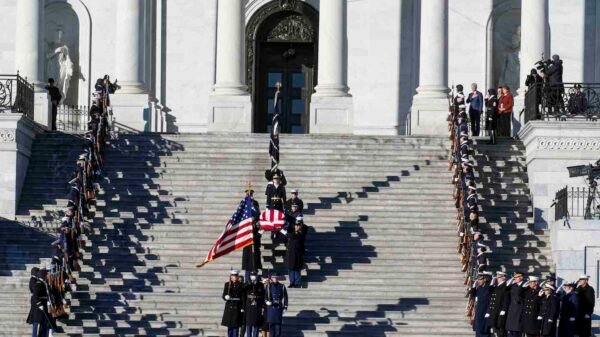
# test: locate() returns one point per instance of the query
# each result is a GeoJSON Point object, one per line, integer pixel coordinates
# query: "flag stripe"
{"type": "Point", "coordinates": [272, 220]}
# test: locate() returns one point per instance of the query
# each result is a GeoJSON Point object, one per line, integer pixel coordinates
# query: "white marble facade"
{"type": "Point", "coordinates": [377, 59]}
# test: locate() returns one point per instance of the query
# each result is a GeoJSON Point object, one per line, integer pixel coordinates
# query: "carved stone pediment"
{"type": "Point", "coordinates": [291, 28]}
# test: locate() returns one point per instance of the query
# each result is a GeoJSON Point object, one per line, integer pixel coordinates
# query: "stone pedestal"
{"type": "Point", "coordinates": [17, 133]}
{"type": "Point", "coordinates": [575, 250]}
{"type": "Point", "coordinates": [42, 108]}
{"type": "Point", "coordinates": [230, 113]}
{"type": "Point", "coordinates": [131, 112]}
{"type": "Point", "coordinates": [331, 115]}
{"type": "Point", "coordinates": [550, 148]}
{"type": "Point", "coordinates": [428, 116]}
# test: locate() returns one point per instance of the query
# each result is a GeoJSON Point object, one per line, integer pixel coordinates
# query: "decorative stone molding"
{"type": "Point", "coordinates": [7, 136]}
{"type": "Point", "coordinates": [568, 143]}
{"type": "Point", "coordinates": [291, 28]}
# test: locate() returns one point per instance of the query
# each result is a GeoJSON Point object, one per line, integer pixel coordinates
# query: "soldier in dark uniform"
{"type": "Point", "coordinates": [294, 200]}
{"type": "Point", "coordinates": [549, 307]}
{"type": "Point", "coordinates": [568, 310]}
{"type": "Point", "coordinates": [459, 101]}
{"type": "Point", "coordinates": [275, 194]}
{"type": "Point", "coordinates": [255, 300]}
{"type": "Point", "coordinates": [529, 313]}
{"type": "Point", "coordinates": [251, 257]}
{"type": "Point", "coordinates": [586, 299]}
{"type": "Point", "coordinates": [233, 295]}
{"type": "Point", "coordinates": [496, 316]}
{"type": "Point", "coordinates": [294, 256]}
{"type": "Point", "coordinates": [55, 98]}
{"type": "Point", "coordinates": [515, 305]}
{"type": "Point", "coordinates": [276, 302]}
{"type": "Point", "coordinates": [38, 313]}
{"type": "Point", "coordinates": [481, 293]}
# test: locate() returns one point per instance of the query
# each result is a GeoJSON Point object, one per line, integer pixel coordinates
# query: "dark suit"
{"type": "Point", "coordinates": [586, 299]}
{"type": "Point", "coordinates": [498, 300]}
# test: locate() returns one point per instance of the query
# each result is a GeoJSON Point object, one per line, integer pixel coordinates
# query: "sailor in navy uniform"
{"type": "Point", "coordinates": [233, 295]}
{"type": "Point", "coordinates": [481, 292]}
{"type": "Point", "coordinates": [495, 315]}
{"type": "Point", "coordinates": [586, 298]}
{"type": "Point", "coordinates": [277, 303]}
{"type": "Point", "coordinates": [568, 310]}
{"type": "Point", "coordinates": [548, 315]}
{"type": "Point", "coordinates": [531, 308]}
{"type": "Point", "coordinates": [294, 200]}
{"type": "Point", "coordinates": [515, 305]}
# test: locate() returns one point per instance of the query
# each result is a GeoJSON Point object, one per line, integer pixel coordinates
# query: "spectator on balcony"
{"type": "Point", "coordinates": [577, 103]}
{"type": "Point", "coordinates": [586, 299]}
{"type": "Point", "coordinates": [505, 110]}
{"type": "Point", "coordinates": [55, 98]}
{"type": "Point", "coordinates": [475, 101]}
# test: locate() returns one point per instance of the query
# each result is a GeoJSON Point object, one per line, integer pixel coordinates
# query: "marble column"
{"type": "Point", "coordinates": [534, 37]}
{"type": "Point", "coordinates": [430, 104]}
{"type": "Point", "coordinates": [129, 46]}
{"type": "Point", "coordinates": [331, 109]}
{"type": "Point", "coordinates": [29, 46]}
{"type": "Point", "coordinates": [29, 60]}
{"type": "Point", "coordinates": [230, 104]}
{"type": "Point", "coordinates": [534, 43]}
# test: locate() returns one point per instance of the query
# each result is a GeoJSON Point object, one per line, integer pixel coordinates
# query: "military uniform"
{"type": "Point", "coordinates": [568, 313]}
{"type": "Point", "coordinates": [277, 303]}
{"type": "Point", "coordinates": [254, 302]}
{"type": "Point", "coordinates": [294, 201]}
{"type": "Point", "coordinates": [498, 299]}
{"type": "Point", "coordinates": [233, 295]}
{"type": "Point", "coordinates": [275, 196]}
{"type": "Point", "coordinates": [294, 256]}
{"type": "Point", "coordinates": [548, 315]}
{"type": "Point", "coordinates": [515, 305]}
{"type": "Point", "coordinates": [482, 301]}
{"type": "Point", "coordinates": [586, 299]}
{"type": "Point", "coordinates": [251, 257]}
{"type": "Point", "coordinates": [38, 312]}
{"type": "Point", "coordinates": [529, 314]}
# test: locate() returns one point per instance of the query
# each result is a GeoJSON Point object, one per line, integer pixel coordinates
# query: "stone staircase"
{"type": "Point", "coordinates": [381, 251]}
{"type": "Point", "coordinates": [507, 221]}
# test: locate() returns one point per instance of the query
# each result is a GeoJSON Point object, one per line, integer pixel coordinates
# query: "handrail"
{"type": "Point", "coordinates": [16, 95]}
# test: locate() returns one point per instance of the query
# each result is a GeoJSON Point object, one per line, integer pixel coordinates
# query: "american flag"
{"type": "Point", "coordinates": [272, 220]}
{"type": "Point", "coordinates": [237, 233]}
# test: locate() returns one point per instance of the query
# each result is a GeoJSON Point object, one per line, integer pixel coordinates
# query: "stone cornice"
{"type": "Point", "coordinates": [8, 136]}
{"type": "Point", "coordinates": [568, 143]}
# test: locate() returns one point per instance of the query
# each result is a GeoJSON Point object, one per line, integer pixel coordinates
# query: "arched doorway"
{"type": "Point", "coordinates": [281, 46]}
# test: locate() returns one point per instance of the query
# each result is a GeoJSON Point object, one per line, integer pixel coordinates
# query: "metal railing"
{"type": "Point", "coordinates": [564, 101]}
{"type": "Point", "coordinates": [577, 202]}
{"type": "Point", "coordinates": [16, 95]}
{"type": "Point", "coordinates": [72, 118]}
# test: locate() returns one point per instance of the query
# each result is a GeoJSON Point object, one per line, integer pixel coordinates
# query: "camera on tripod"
{"type": "Point", "coordinates": [542, 65]}
{"type": "Point", "coordinates": [593, 173]}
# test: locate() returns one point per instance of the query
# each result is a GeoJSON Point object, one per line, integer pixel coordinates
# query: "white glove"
{"type": "Point", "coordinates": [502, 313]}
{"type": "Point", "coordinates": [242, 310]}
{"type": "Point", "coordinates": [227, 297]}
{"type": "Point", "coordinates": [268, 303]}
{"type": "Point", "coordinates": [539, 318]}
{"type": "Point", "coordinates": [486, 315]}
{"type": "Point", "coordinates": [261, 232]}
{"type": "Point", "coordinates": [283, 231]}
{"type": "Point", "coordinates": [587, 316]}
{"type": "Point", "coordinates": [549, 321]}
{"type": "Point", "coordinates": [572, 319]}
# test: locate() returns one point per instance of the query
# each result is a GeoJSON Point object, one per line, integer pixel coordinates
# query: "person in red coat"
{"type": "Point", "coordinates": [505, 109]}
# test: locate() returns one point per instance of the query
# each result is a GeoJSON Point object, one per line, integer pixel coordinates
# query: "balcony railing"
{"type": "Point", "coordinates": [565, 101]}
{"type": "Point", "coordinates": [72, 118]}
{"type": "Point", "coordinates": [577, 202]}
{"type": "Point", "coordinates": [16, 95]}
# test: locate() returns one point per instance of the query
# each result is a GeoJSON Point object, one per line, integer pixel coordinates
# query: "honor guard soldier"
{"type": "Point", "coordinates": [481, 293]}
{"type": "Point", "coordinates": [38, 313]}
{"type": "Point", "coordinates": [255, 300]}
{"type": "Point", "coordinates": [529, 315]}
{"type": "Point", "coordinates": [586, 299]}
{"type": "Point", "coordinates": [459, 101]}
{"type": "Point", "coordinates": [276, 302]}
{"type": "Point", "coordinates": [549, 308]}
{"type": "Point", "coordinates": [275, 194]}
{"type": "Point", "coordinates": [568, 310]}
{"type": "Point", "coordinates": [294, 200]}
{"type": "Point", "coordinates": [515, 305]}
{"type": "Point", "coordinates": [233, 295]}
{"type": "Point", "coordinates": [294, 256]}
{"type": "Point", "coordinates": [496, 314]}
{"type": "Point", "coordinates": [251, 256]}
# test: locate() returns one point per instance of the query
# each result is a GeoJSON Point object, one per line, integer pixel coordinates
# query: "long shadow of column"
{"type": "Point", "coordinates": [120, 275]}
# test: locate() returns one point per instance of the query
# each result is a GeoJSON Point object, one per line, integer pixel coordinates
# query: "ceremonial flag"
{"type": "Point", "coordinates": [272, 220]}
{"type": "Point", "coordinates": [237, 233]}
{"type": "Point", "coordinates": [274, 143]}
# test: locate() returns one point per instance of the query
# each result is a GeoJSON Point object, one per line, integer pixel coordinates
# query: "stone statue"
{"type": "Point", "coordinates": [59, 65]}
{"type": "Point", "coordinates": [509, 68]}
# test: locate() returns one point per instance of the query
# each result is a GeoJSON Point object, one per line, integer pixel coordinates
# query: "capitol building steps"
{"type": "Point", "coordinates": [381, 251]}
{"type": "Point", "coordinates": [507, 212]}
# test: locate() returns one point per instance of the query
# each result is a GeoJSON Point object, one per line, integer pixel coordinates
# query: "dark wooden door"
{"type": "Point", "coordinates": [292, 64]}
